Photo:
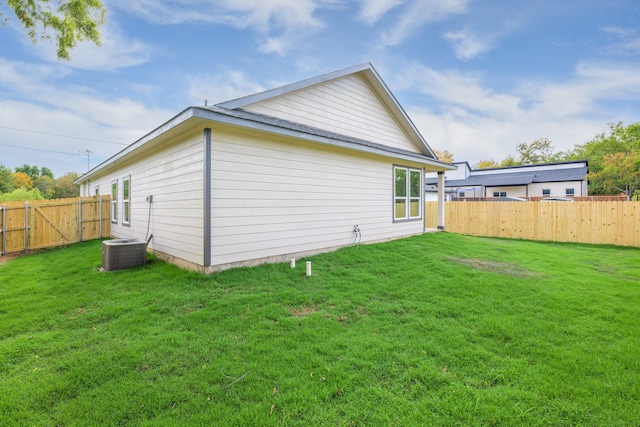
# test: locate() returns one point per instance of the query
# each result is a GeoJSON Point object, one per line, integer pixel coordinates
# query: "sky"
{"type": "Point", "coordinates": [476, 77]}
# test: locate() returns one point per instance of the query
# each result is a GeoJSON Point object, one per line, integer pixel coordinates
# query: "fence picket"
{"type": "Point", "coordinates": [596, 222]}
{"type": "Point", "coordinates": [48, 223]}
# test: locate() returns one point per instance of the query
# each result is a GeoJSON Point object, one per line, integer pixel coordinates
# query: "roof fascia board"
{"type": "Point", "coordinates": [292, 87]}
{"type": "Point", "coordinates": [559, 180]}
{"type": "Point", "coordinates": [195, 112]}
{"type": "Point", "coordinates": [543, 166]}
{"type": "Point", "coordinates": [398, 111]}
{"type": "Point", "coordinates": [180, 118]}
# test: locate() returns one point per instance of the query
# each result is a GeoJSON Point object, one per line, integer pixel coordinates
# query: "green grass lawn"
{"type": "Point", "coordinates": [436, 329]}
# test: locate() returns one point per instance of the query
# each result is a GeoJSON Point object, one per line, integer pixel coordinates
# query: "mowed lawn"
{"type": "Point", "coordinates": [437, 329]}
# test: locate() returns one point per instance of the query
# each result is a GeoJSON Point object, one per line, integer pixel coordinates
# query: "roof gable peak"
{"type": "Point", "coordinates": [368, 74]}
{"type": "Point", "coordinates": [292, 87]}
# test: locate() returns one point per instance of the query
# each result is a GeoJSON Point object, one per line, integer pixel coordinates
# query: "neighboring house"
{"type": "Point", "coordinates": [431, 193]}
{"type": "Point", "coordinates": [564, 179]}
{"type": "Point", "coordinates": [277, 175]}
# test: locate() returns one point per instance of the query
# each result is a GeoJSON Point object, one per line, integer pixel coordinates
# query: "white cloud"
{"type": "Point", "coordinates": [373, 10]}
{"type": "Point", "coordinates": [477, 123]}
{"type": "Point", "coordinates": [467, 45]}
{"type": "Point", "coordinates": [224, 86]}
{"type": "Point", "coordinates": [48, 105]}
{"type": "Point", "coordinates": [26, 76]}
{"type": "Point", "coordinates": [115, 52]}
{"type": "Point", "coordinates": [262, 15]}
{"type": "Point", "coordinates": [283, 23]}
{"type": "Point", "coordinates": [277, 45]}
{"type": "Point", "coordinates": [628, 40]}
{"type": "Point", "coordinates": [452, 87]}
{"type": "Point", "coordinates": [418, 13]}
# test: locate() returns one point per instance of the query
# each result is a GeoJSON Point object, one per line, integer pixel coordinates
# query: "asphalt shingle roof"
{"type": "Point", "coordinates": [516, 178]}
{"type": "Point", "coordinates": [298, 127]}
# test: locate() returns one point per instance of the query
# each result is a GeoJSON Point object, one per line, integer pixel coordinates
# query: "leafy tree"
{"type": "Point", "coordinates": [65, 187]}
{"type": "Point", "coordinates": [444, 156]}
{"type": "Point", "coordinates": [6, 179]}
{"type": "Point", "coordinates": [21, 194]}
{"type": "Point", "coordinates": [509, 161]}
{"type": "Point", "coordinates": [614, 160]}
{"type": "Point", "coordinates": [71, 21]}
{"type": "Point", "coordinates": [539, 150]}
{"type": "Point", "coordinates": [45, 171]}
{"type": "Point", "coordinates": [32, 171]}
{"type": "Point", "coordinates": [619, 173]}
{"type": "Point", "coordinates": [45, 184]}
{"type": "Point", "coordinates": [21, 180]}
{"type": "Point", "coordinates": [486, 164]}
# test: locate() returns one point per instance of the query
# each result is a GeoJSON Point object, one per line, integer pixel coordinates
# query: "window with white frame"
{"type": "Point", "coordinates": [569, 192]}
{"type": "Point", "coordinates": [546, 192]}
{"type": "Point", "coordinates": [114, 201]}
{"type": "Point", "coordinates": [97, 192]}
{"type": "Point", "coordinates": [499, 194]}
{"type": "Point", "coordinates": [407, 193]}
{"type": "Point", "coordinates": [126, 200]}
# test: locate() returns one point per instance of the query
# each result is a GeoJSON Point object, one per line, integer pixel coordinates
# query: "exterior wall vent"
{"type": "Point", "coordinates": [120, 254]}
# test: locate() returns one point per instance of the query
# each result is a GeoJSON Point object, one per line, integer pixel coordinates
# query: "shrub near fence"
{"type": "Point", "coordinates": [41, 224]}
{"type": "Point", "coordinates": [613, 223]}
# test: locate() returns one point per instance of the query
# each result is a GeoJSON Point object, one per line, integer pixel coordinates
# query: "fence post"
{"type": "Point", "coordinates": [100, 216]}
{"type": "Point", "coordinates": [26, 227]}
{"type": "Point", "coordinates": [79, 220]}
{"type": "Point", "coordinates": [4, 230]}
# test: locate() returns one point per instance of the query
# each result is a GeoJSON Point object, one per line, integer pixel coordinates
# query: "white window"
{"type": "Point", "coordinates": [97, 193]}
{"type": "Point", "coordinates": [126, 200]}
{"type": "Point", "coordinates": [114, 201]}
{"type": "Point", "coordinates": [499, 194]}
{"type": "Point", "coordinates": [569, 192]}
{"type": "Point", "coordinates": [407, 193]}
{"type": "Point", "coordinates": [546, 192]}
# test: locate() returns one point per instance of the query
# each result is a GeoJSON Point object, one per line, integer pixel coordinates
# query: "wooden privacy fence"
{"type": "Point", "coordinates": [613, 222]}
{"type": "Point", "coordinates": [41, 224]}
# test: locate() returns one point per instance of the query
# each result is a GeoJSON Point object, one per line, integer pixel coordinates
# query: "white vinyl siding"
{"type": "Point", "coordinates": [272, 198]}
{"type": "Point", "coordinates": [558, 189]}
{"type": "Point", "coordinates": [172, 174]}
{"type": "Point", "coordinates": [346, 106]}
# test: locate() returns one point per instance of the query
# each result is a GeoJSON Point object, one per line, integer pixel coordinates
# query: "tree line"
{"type": "Point", "coordinates": [29, 182]}
{"type": "Point", "coordinates": [614, 159]}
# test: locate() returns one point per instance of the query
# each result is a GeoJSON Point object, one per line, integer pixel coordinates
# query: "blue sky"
{"type": "Point", "coordinates": [476, 77]}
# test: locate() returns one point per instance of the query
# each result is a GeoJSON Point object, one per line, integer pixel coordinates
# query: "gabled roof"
{"type": "Point", "coordinates": [370, 75]}
{"type": "Point", "coordinates": [231, 113]}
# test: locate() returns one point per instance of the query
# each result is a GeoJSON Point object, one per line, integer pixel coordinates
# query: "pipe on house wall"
{"type": "Point", "coordinates": [206, 214]}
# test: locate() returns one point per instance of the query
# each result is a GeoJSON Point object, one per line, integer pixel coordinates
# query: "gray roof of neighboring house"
{"type": "Point", "coordinates": [430, 188]}
{"type": "Point", "coordinates": [517, 178]}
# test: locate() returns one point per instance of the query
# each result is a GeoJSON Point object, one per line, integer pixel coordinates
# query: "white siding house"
{"type": "Point", "coordinates": [272, 176]}
{"type": "Point", "coordinates": [562, 179]}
